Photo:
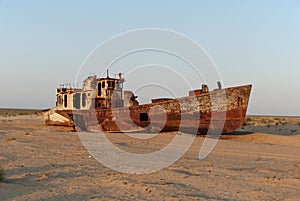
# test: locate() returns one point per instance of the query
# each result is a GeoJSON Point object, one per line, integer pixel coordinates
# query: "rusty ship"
{"type": "Point", "coordinates": [102, 104]}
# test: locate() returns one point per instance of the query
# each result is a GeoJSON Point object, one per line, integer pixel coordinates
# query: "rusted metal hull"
{"type": "Point", "coordinates": [224, 109]}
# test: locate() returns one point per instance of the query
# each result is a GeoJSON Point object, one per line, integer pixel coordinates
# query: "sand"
{"type": "Point", "coordinates": [259, 162]}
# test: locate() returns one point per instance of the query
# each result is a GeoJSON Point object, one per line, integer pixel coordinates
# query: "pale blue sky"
{"type": "Point", "coordinates": [43, 44]}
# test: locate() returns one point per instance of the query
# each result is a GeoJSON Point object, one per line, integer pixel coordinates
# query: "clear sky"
{"type": "Point", "coordinates": [43, 44]}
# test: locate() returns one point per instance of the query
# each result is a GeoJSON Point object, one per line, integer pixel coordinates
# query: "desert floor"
{"type": "Point", "coordinates": [259, 162]}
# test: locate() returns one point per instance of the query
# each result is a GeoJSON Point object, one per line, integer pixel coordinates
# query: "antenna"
{"type": "Point", "coordinates": [107, 73]}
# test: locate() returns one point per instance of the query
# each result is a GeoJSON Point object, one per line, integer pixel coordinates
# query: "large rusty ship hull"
{"type": "Point", "coordinates": [222, 109]}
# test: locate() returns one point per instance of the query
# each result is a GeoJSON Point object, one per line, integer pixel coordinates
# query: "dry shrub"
{"type": "Point", "coordinates": [10, 139]}
{"type": "Point", "coordinates": [247, 121]}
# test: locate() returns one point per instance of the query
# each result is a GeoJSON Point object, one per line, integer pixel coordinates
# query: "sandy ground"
{"type": "Point", "coordinates": [259, 162]}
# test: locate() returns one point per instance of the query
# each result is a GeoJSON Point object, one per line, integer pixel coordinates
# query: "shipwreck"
{"type": "Point", "coordinates": [103, 104]}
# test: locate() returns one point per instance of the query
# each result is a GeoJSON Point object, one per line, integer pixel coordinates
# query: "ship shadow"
{"type": "Point", "coordinates": [237, 133]}
{"type": "Point", "coordinates": [221, 136]}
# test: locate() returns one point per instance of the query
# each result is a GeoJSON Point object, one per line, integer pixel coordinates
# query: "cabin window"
{"type": "Point", "coordinates": [76, 101]}
{"type": "Point", "coordinates": [144, 117]}
{"type": "Point", "coordinates": [111, 84]}
{"type": "Point", "coordinates": [103, 84]}
{"type": "Point", "coordinates": [83, 99]}
{"type": "Point", "coordinates": [65, 100]}
{"type": "Point", "coordinates": [99, 89]}
{"type": "Point", "coordinates": [59, 100]}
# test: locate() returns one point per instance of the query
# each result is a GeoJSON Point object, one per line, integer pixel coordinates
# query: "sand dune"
{"type": "Point", "coordinates": [43, 163]}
